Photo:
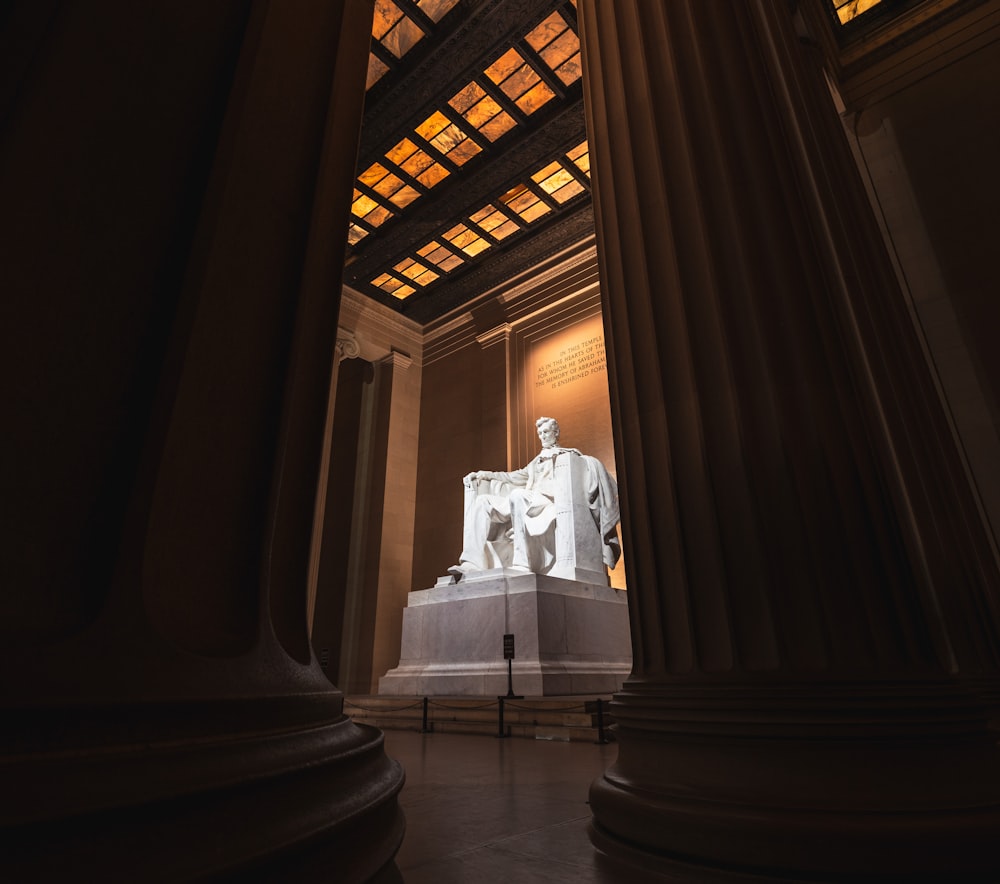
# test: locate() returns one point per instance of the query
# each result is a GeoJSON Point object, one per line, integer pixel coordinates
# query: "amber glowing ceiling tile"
{"type": "Point", "coordinates": [373, 174]}
{"type": "Point", "coordinates": [848, 10]}
{"type": "Point", "coordinates": [460, 235]}
{"type": "Point", "coordinates": [552, 177]}
{"type": "Point", "coordinates": [388, 184]}
{"type": "Point", "coordinates": [386, 15]}
{"type": "Point", "coordinates": [465, 98]}
{"type": "Point", "coordinates": [434, 175]}
{"type": "Point", "coordinates": [450, 263]}
{"type": "Point", "coordinates": [436, 10]}
{"type": "Point", "coordinates": [524, 202]}
{"type": "Point", "coordinates": [504, 66]}
{"type": "Point", "coordinates": [534, 98]}
{"type": "Point", "coordinates": [520, 81]}
{"type": "Point", "coordinates": [547, 31]}
{"type": "Point", "coordinates": [467, 240]}
{"type": "Point", "coordinates": [416, 271]}
{"type": "Point", "coordinates": [426, 278]}
{"type": "Point", "coordinates": [580, 155]}
{"type": "Point", "coordinates": [404, 291]}
{"type": "Point", "coordinates": [439, 256]}
{"type": "Point", "coordinates": [404, 196]}
{"type": "Point", "coordinates": [482, 112]}
{"type": "Point", "coordinates": [488, 217]}
{"type": "Point", "coordinates": [430, 127]}
{"type": "Point", "coordinates": [561, 50]}
{"type": "Point", "coordinates": [402, 38]}
{"type": "Point", "coordinates": [363, 205]}
{"type": "Point", "coordinates": [463, 152]}
{"type": "Point", "coordinates": [506, 229]}
{"type": "Point", "coordinates": [381, 280]}
{"type": "Point", "coordinates": [401, 152]}
{"type": "Point", "coordinates": [500, 124]}
{"type": "Point", "coordinates": [417, 163]}
{"type": "Point", "coordinates": [376, 70]}
{"type": "Point", "coordinates": [378, 216]}
{"type": "Point", "coordinates": [448, 139]}
{"type": "Point", "coordinates": [355, 234]}
{"type": "Point", "coordinates": [571, 71]}
{"type": "Point", "coordinates": [534, 211]}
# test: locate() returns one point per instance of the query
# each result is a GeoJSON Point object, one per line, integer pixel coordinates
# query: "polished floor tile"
{"type": "Point", "coordinates": [482, 809]}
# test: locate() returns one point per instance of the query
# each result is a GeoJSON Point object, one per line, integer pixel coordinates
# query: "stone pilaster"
{"type": "Point", "coordinates": [171, 210]}
{"type": "Point", "coordinates": [813, 597]}
{"type": "Point", "coordinates": [496, 417]}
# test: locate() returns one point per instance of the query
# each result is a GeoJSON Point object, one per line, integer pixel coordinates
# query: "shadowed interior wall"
{"type": "Point", "coordinates": [929, 153]}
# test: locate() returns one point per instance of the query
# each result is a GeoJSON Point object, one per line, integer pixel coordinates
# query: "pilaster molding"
{"type": "Point", "coordinates": [498, 335]}
{"type": "Point", "coordinates": [397, 359]}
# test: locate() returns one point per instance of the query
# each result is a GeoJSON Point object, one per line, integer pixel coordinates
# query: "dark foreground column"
{"type": "Point", "coordinates": [174, 185]}
{"type": "Point", "coordinates": [813, 597]}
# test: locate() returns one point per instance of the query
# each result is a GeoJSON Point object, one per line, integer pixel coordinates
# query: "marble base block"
{"type": "Point", "coordinates": [570, 637]}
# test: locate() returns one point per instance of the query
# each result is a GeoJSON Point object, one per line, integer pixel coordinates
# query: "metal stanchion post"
{"type": "Point", "coordinates": [500, 732]}
{"type": "Point", "coordinates": [423, 727]}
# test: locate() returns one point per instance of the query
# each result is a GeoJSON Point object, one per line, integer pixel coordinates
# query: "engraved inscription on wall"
{"type": "Point", "coordinates": [574, 362]}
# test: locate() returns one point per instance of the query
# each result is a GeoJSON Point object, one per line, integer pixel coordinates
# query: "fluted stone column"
{"type": "Point", "coordinates": [814, 601]}
{"type": "Point", "coordinates": [174, 184]}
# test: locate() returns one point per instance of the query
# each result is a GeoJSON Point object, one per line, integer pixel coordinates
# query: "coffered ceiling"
{"type": "Point", "coordinates": [473, 162]}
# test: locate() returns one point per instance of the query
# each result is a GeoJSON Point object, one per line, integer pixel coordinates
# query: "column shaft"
{"type": "Point", "coordinates": [807, 566]}
{"type": "Point", "coordinates": [173, 180]}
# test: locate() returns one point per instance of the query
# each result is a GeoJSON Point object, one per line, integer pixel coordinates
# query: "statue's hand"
{"type": "Point", "coordinates": [477, 475]}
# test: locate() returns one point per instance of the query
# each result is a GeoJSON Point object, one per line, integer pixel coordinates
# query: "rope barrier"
{"type": "Point", "coordinates": [383, 708]}
{"type": "Point", "coordinates": [501, 702]}
{"type": "Point", "coordinates": [446, 706]}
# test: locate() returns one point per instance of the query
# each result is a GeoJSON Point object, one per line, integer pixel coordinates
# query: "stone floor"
{"type": "Point", "coordinates": [482, 809]}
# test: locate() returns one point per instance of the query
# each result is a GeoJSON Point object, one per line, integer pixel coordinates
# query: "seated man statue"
{"type": "Point", "coordinates": [510, 518]}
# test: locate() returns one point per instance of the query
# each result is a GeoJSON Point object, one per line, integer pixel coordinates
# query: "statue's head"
{"type": "Point", "coordinates": [548, 431]}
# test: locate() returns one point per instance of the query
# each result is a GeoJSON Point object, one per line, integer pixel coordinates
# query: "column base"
{"type": "Point", "coordinates": [889, 783]}
{"type": "Point", "coordinates": [306, 796]}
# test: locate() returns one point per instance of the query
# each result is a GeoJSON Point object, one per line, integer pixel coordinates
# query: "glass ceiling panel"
{"type": "Point", "coordinates": [557, 181]}
{"type": "Point", "coordinates": [482, 112]}
{"type": "Point", "coordinates": [558, 46]}
{"type": "Point", "coordinates": [848, 10]}
{"type": "Point", "coordinates": [494, 222]}
{"type": "Point", "coordinates": [387, 15]}
{"type": "Point", "coordinates": [376, 70]}
{"type": "Point", "coordinates": [416, 271]}
{"type": "Point", "coordinates": [519, 81]}
{"type": "Point", "coordinates": [439, 256]}
{"type": "Point", "coordinates": [525, 203]}
{"type": "Point", "coordinates": [395, 287]}
{"type": "Point", "coordinates": [447, 138]}
{"type": "Point", "coordinates": [467, 240]}
{"type": "Point", "coordinates": [581, 156]}
{"type": "Point", "coordinates": [435, 10]}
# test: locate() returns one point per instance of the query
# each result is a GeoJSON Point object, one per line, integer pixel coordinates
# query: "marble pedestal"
{"type": "Point", "coordinates": [570, 638]}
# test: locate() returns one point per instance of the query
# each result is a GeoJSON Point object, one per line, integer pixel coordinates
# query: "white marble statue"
{"type": "Point", "coordinates": [558, 515]}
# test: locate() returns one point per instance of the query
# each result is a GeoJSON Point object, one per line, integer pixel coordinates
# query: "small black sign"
{"type": "Point", "coordinates": [508, 646]}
